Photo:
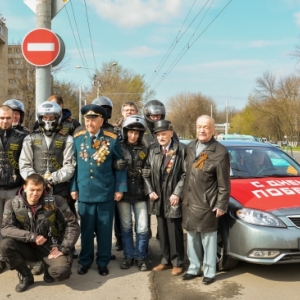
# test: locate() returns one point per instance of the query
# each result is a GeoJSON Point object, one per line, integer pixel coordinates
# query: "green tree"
{"type": "Point", "coordinates": [120, 85]}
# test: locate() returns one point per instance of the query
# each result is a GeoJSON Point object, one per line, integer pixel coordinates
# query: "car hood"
{"type": "Point", "coordinates": [267, 193]}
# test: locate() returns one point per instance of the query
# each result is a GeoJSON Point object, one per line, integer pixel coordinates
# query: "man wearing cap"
{"type": "Point", "coordinates": [96, 185]}
{"type": "Point", "coordinates": [164, 188]}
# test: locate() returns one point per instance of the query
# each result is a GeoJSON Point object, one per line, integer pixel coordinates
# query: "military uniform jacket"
{"type": "Point", "coordinates": [20, 224]}
{"type": "Point", "coordinates": [9, 160]}
{"type": "Point", "coordinates": [206, 188]}
{"type": "Point", "coordinates": [60, 156]}
{"type": "Point", "coordinates": [166, 178]}
{"type": "Point", "coordinates": [97, 181]}
{"type": "Point", "coordinates": [135, 156]}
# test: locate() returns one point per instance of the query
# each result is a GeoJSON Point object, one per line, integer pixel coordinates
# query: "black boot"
{"type": "Point", "coordinates": [25, 277]}
{"type": "Point", "coordinates": [2, 264]}
{"type": "Point", "coordinates": [47, 277]}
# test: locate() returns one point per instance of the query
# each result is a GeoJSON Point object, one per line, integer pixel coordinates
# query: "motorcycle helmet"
{"type": "Point", "coordinates": [134, 122]}
{"type": "Point", "coordinates": [15, 104]}
{"type": "Point", "coordinates": [49, 108]}
{"type": "Point", "coordinates": [153, 107]}
{"type": "Point", "coordinates": [106, 103]}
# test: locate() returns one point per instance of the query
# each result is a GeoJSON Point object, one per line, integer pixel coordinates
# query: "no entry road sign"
{"type": "Point", "coordinates": [41, 47]}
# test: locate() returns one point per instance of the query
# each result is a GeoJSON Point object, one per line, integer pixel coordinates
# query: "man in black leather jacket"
{"type": "Point", "coordinates": [38, 226]}
{"type": "Point", "coordinates": [11, 141]}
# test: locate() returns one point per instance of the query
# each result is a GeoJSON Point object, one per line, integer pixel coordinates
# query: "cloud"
{"type": "Point", "coordinates": [142, 51]}
{"type": "Point", "coordinates": [136, 13]}
{"type": "Point", "coordinates": [297, 18]}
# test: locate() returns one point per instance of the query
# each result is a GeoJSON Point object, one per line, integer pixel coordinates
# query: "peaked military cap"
{"type": "Point", "coordinates": [93, 111]}
{"type": "Point", "coordinates": [162, 125]}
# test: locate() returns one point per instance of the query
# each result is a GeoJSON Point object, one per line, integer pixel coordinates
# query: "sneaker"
{"type": "Point", "coordinates": [126, 263]}
{"type": "Point", "coordinates": [141, 264]}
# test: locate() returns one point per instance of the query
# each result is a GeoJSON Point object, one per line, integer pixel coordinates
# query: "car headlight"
{"type": "Point", "coordinates": [258, 217]}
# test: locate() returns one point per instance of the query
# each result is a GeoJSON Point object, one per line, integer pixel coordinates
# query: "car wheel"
{"type": "Point", "coordinates": [224, 262]}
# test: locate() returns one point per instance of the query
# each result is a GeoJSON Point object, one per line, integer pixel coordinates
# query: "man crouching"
{"type": "Point", "coordinates": [38, 226]}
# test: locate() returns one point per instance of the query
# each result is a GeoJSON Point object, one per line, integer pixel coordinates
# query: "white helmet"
{"type": "Point", "coordinates": [49, 108]}
{"type": "Point", "coordinates": [134, 122]}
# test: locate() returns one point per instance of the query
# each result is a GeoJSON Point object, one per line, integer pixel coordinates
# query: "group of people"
{"type": "Point", "coordinates": [124, 172]}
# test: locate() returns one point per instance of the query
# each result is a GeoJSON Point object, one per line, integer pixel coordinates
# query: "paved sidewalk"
{"type": "Point", "coordinates": [118, 285]}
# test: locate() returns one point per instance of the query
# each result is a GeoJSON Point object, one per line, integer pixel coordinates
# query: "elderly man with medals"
{"type": "Point", "coordinates": [96, 185]}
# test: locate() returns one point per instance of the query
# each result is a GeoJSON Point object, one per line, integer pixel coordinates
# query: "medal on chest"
{"type": "Point", "coordinates": [102, 150]}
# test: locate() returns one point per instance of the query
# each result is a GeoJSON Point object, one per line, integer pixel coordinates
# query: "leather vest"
{"type": "Point", "coordinates": [44, 222]}
{"type": "Point", "coordinates": [68, 126]}
{"type": "Point", "coordinates": [51, 158]}
{"type": "Point", "coordinates": [9, 160]}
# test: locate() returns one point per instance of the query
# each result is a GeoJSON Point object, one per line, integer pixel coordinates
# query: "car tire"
{"type": "Point", "coordinates": [224, 262]}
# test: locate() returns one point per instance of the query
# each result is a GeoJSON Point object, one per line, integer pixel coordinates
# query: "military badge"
{"type": "Point", "coordinates": [101, 152]}
{"type": "Point", "coordinates": [171, 162]}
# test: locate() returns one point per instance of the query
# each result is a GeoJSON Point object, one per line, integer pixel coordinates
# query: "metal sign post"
{"type": "Point", "coordinates": [45, 11]}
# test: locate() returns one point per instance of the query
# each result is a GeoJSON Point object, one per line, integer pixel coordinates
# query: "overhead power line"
{"type": "Point", "coordinates": [174, 43]}
{"type": "Point", "coordinates": [188, 46]}
{"type": "Point", "coordinates": [80, 49]}
{"type": "Point", "coordinates": [91, 40]}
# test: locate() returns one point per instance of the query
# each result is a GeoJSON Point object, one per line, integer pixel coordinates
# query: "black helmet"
{"type": "Point", "coordinates": [106, 103]}
{"type": "Point", "coordinates": [153, 107]}
{"type": "Point", "coordinates": [15, 104]}
{"type": "Point", "coordinates": [133, 122]}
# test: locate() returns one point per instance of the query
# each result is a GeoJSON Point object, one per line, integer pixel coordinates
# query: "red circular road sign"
{"type": "Point", "coordinates": [41, 47]}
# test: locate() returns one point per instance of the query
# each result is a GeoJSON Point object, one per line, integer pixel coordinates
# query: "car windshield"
{"type": "Point", "coordinates": [260, 161]}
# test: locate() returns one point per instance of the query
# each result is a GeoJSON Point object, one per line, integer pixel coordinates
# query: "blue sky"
{"type": "Point", "coordinates": [247, 39]}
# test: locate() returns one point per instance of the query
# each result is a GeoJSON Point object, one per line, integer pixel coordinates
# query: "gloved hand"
{"type": "Point", "coordinates": [146, 173]}
{"type": "Point", "coordinates": [119, 164]}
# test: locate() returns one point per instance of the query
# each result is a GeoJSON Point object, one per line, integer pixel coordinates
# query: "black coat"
{"type": "Point", "coordinates": [135, 156]}
{"type": "Point", "coordinates": [173, 181]}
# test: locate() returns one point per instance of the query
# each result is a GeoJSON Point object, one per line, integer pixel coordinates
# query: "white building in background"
{"type": "Point", "coordinates": [222, 128]}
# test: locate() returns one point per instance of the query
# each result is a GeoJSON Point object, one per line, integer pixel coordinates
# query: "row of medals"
{"type": "Point", "coordinates": [101, 152]}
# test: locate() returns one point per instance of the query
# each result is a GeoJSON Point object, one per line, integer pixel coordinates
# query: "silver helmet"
{"type": "Point", "coordinates": [15, 104]}
{"type": "Point", "coordinates": [153, 107]}
{"type": "Point", "coordinates": [134, 122]}
{"type": "Point", "coordinates": [49, 108]}
{"type": "Point", "coordinates": [106, 103]}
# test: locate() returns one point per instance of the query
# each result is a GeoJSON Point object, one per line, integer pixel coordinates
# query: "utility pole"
{"type": "Point", "coordinates": [226, 128]}
{"type": "Point", "coordinates": [43, 74]}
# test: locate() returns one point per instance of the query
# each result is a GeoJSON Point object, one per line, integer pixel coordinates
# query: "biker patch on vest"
{"type": "Point", "coordinates": [58, 144]}
{"type": "Point", "coordinates": [142, 155]}
{"type": "Point", "coordinates": [20, 218]}
{"type": "Point", "coordinates": [37, 142]}
{"type": "Point", "coordinates": [11, 159]}
{"type": "Point", "coordinates": [13, 147]}
{"type": "Point", "coordinates": [55, 164]}
{"type": "Point", "coordinates": [65, 129]}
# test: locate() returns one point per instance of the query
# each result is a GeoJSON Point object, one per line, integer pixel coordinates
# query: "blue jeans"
{"type": "Point", "coordinates": [141, 228]}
